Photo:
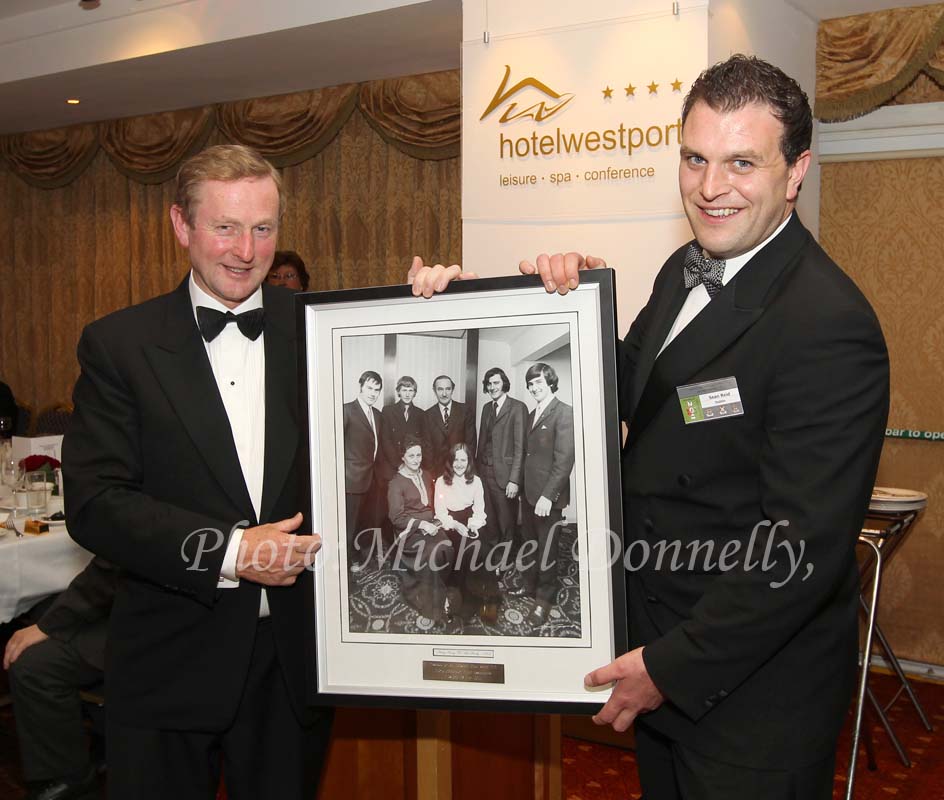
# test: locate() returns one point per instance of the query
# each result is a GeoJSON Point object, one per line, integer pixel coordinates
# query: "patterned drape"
{"type": "Point", "coordinates": [863, 61]}
{"type": "Point", "coordinates": [418, 115]}
{"type": "Point", "coordinates": [357, 211]}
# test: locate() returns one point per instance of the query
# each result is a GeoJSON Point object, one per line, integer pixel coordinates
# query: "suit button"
{"type": "Point", "coordinates": [651, 598]}
{"type": "Point", "coordinates": [684, 481]}
{"type": "Point", "coordinates": [722, 694]}
{"type": "Point", "coordinates": [648, 525]}
{"type": "Point", "coordinates": [709, 703]}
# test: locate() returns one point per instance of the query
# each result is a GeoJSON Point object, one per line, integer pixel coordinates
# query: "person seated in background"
{"type": "Point", "coordinates": [49, 663]}
{"type": "Point", "coordinates": [8, 410]}
{"type": "Point", "coordinates": [424, 552]}
{"type": "Point", "coordinates": [288, 270]}
{"type": "Point", "coordinates": [460, 509]}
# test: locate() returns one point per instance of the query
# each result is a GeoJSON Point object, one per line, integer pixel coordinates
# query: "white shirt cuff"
{"type": "Point", "coordinates": [228, 578]}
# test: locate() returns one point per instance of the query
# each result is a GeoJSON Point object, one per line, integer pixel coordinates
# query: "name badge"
{"type": "Point", "coordinates": [711, 400]}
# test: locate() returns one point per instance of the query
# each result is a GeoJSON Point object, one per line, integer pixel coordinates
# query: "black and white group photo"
{"type": "Point", "coordinates": [459, 455]}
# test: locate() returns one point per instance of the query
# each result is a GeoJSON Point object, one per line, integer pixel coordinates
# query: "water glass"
{"type": "Point", "coordinates": [37, 493]}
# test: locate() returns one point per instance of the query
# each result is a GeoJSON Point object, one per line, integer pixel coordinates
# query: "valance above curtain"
{"type": "Point", "coordinates": [863, 61]}
{"type": "Point", "coordinates": [418, 115]}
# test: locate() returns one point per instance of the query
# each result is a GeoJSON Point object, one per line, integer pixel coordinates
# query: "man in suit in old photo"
{"type": "Point", "coordinates": [500, 454]}
{"type": "Point", "coordinates": [447, 423]}
{"type": "Point", "coordinates": [362, 436]}
{"type": "Point", "coordinates": [549, 460]}
{"type": "Point", "coordinates": [400, 420]}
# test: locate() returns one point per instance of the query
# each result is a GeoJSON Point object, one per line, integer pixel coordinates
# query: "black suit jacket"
{"type": "Point", "coordinates": [79, 615]}
{"type": "Point", "coordinates": [156, 488]}
{"type": "Point", "coordinates": [550, 454]}
{"type": "Point", "coordinates": [395, 431]}
{"type": "Point", "coordinates": [754, 675]}
{"type": "Point", "coordinates": [439, 441]}
{"type": "Point", "coordinates": [508, 431]}
{"type": "Point", "coordinates": [359, 443]}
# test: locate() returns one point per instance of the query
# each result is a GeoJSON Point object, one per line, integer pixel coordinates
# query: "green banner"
{"type": "Point", "coordinates": [909, 433]}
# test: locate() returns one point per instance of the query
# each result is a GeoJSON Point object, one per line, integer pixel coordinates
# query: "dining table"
{"type": "Point", "coordinates": [35, 566]}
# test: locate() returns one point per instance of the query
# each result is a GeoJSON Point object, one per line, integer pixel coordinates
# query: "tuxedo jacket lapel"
{"type": "Point", "coordinates": [281, 424]}
{"type": "Point", "coordinates": [668, 306]}
{"type": "Point", "coordinates": [181, 365]}
{"type": "Point", "coordinates": [733, 311]}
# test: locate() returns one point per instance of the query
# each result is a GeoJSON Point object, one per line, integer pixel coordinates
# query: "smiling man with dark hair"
{"type": "Point", "coordinates": [755, 386]}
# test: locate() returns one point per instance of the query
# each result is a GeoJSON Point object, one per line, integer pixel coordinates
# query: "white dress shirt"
{"type": "Point", "coordinates": [370, 420]}
{"type": "Point", "coordinates": [541, 407]}
{"type": "Point", "coordinates": [698, 296]}
{"type": "Point", "coordinates": [238, 365]}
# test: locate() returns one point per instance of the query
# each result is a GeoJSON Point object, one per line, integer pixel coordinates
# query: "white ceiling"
{"type": "Point", "coordinates": [10, 8]}
{"type": "Point", "coordinates": [186, 53]}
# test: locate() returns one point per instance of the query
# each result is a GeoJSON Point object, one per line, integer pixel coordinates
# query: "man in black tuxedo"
{"type": "Point", "coordinates": [446, 423]}
{"type": "Point", "coordinates": [500, 450]}
{"type": "Point", "coordinates": [549, 460]}
{"type": "Point", "coordinates": [362, 436]}
{"type": "Point", "coordinates": [49, 664]}
{"type": "Point", "coordinates": [741, 667]}
{"type": "Point", "coordinates": [181, 463]}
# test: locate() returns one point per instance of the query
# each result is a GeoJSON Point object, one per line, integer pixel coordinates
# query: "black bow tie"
{"type": "Point", "coordinates": [211, 322]}
{"type": "Point", "coordinates": [699, 268]}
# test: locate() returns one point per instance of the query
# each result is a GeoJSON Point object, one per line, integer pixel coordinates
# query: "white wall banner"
{"type": "Point", "coordinates": [579, 123]}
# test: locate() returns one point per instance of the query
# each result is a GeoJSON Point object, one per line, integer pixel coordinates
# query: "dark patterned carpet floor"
{"type": "Point", "coordinates": [377, 604]}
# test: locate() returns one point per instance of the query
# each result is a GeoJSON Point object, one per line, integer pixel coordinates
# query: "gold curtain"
{"type": "Point", "coordinates": [878, 221]}
{"type": "Point", "coordinates": [53, 158]}
{"type": "Point", "coordinates": [418, 114]}
{"type": "Point", "coordinates": [149, 149]}
{"type": "Point", "coordinates": [290, 128]}
{"type": "Point", "coordinates": [863, 61]}
{"type": "Point", "coordinates": [357, 212]}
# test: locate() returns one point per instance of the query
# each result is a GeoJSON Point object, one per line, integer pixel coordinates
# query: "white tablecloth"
{"type": "Point", "coordinates": [34, 567]}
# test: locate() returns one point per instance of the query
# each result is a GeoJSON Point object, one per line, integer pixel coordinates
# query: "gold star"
{"type": "Point", "coordinates": [630, 90]}
{"type": "Point", "coordinates": [676, 85]}
{"type": "Point", "coordinates": [608, 93]}
{"type": "Point", "coordinates": [652, 87]}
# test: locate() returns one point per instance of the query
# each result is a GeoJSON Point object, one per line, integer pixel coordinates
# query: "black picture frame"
{"type": "Point", "coordinates": [370, 655]}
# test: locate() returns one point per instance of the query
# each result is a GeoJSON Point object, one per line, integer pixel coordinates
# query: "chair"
{"type": "Point", "coordinates": [53, 420]}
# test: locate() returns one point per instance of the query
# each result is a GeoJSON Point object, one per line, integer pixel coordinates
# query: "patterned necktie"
{"type": "Point", "coordinates": [211, 322]}
{"type": "Point", "coordinates": [699, 268]}
{"type": "Point", "coordinates": [445, 416]}
{"type": "Point", "coordinates": [406, 413]}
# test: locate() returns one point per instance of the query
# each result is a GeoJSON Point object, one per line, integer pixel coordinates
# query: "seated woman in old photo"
{"type": "Point", "coordinates": [425, 554]}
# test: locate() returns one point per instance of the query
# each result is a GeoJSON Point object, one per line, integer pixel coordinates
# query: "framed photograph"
{"type": "Point", "coordinates": [463, 456]}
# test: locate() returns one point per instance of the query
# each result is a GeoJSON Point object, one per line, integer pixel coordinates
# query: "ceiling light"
{"type": "Point", "coordinates": [73, 101]}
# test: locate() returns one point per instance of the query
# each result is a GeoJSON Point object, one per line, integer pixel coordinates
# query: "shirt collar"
{"type": "Point", "coordinates": [543, 405]}
{"type": "Point", "coordinates": [733, 266]}
{"type": "Point", "coordinates": [364, 407]}
{"type": "Point", "coordinates": [198, 297]}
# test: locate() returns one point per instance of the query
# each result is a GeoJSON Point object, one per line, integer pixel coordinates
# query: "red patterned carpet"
{"type": "Point", "coordinates": [597, 772]}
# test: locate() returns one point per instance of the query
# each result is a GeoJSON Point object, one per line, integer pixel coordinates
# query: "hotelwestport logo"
{"type": "Point", "coordinates": [539, 111]}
